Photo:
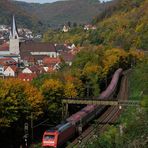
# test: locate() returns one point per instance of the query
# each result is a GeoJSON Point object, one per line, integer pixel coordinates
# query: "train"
{"type": "Point", "coordinates": [63, 132]}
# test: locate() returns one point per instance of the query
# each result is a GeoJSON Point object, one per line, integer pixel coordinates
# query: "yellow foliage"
{"type": "Point", "coordinates": [91, 69]}
{"type": "Point", "coordinates": [70, 90]}
{"type": "Point", "coordinates": [18, 99]}
{"type": "Point", "coordinates": [73, 86]}
{"type": "Point", "coordinates": [111, 58]}
{"type": "Point", "coordinates": [51, 84]}
{"type": "Point", "coordinates": [34, 98]}
{"type": "Point", "coordinates": [139, 55]}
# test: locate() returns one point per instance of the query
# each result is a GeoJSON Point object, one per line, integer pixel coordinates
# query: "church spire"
{"type": "Point", "coordinates": [14, 33]}
{"type": "Point", "coordinates": [14, 39]}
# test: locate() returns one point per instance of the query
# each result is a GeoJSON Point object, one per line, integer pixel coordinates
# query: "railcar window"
{"type": "Point", "coordinates": [48, 137]}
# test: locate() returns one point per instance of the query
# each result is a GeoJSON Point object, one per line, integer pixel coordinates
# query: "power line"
{"type": "Point", "coordinates": [40, 123]}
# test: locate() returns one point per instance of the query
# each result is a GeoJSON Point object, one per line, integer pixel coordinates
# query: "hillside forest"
{"type": "Point", "coordinates": [32, 15]}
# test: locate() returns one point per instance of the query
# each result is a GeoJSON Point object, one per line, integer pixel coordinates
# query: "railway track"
{"type": "Point", "coordinates": [109, 117]}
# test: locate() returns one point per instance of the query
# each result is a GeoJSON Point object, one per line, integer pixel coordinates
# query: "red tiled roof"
{"type": "Point", "coordinates": [41, 69]}
{"type": "Point", "coordinates": [4, 47]}
{"type": "Point", "coordinates": [13, 67]}
{"type": "Point", "coordinates": [68, 57]}
{"type": "Point", "coordinates": [4, 59]}
{"type": "Point", "coordinates": [7, 61]}
{"type": "Point", "coordinates": [50, 69]}
{"type": "Point", "coordinates": [48, 60]}
{"type": "Point", "coordinates": [27, 76]}
{"type": "Point", "coordinates": [29, 58]}
{"type": "Point", "coordinates": [34, 68]}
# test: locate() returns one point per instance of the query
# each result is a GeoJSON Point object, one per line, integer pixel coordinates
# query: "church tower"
{"type": "Point", "coordinates": [14, 39]}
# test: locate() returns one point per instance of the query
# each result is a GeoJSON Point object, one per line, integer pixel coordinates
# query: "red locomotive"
{"type": "Point", "coordinates": [63, 132]}
{"type": "Point", "coordinates": [57, 136]}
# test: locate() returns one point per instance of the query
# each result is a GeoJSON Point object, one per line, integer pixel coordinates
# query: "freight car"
{"type": "Point", "coordinates": [63, 132]}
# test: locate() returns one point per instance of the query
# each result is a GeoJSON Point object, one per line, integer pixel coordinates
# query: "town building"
{"type": "Point", "coordinates": [65, 28]}
{"type": "Point", "coordinates": [8, 67]}
{"type": "Point", "coordinates": [11, 71]}
{"type": "Point", "coordinates": [34, 52]}
{"type": "Point", "coordinates": [89, 27]}
{"type": "Point", "coordinates": [26, 59]}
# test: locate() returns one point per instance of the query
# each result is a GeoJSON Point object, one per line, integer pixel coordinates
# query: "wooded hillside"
{"type": "Point", "coordinates": [123, 24]}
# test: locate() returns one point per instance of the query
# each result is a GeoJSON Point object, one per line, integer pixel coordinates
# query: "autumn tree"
{"type": "Point", "coordinates": [70, 91]}
{"type": "Point", "coordinates": [73, 86]}
{"type": "Point", "coordinates": [52, 91]}
{"type": "Point", "coordinates": [135, 56]}
{"type": "Point", "coordinates": [92, 74]}
{"type": "Point", "coordinates": [112, 59]}
{"type": "Point", "coordinates": [18, 100]}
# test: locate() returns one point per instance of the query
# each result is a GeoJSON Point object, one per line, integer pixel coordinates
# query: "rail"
{"type": "Point", "coordinates": [102, 102]}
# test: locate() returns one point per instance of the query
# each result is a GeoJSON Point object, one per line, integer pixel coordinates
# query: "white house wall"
{"type": "Point", "coordinates": [9, 72]}
{"type": "Point", "coordinates": [26, 70]}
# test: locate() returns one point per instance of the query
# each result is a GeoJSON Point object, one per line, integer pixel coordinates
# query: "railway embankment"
{"type": "Point", "coordinates": [131, 129]}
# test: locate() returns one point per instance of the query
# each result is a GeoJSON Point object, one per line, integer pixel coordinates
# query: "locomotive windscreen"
{"type": "Point", "coordinates": [48, 137]}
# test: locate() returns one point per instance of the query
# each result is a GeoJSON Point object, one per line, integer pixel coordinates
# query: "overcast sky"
{"type": "Point", "coordinates": [46, 1]}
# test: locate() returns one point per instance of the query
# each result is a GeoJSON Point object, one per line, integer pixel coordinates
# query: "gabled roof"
{"type": "Point", "coordinates": [34, 69]}
{"type": "Point", "coordinates": [27, 76]}
{"type": "Point", "coordinates": [13, 67]}
{"type": "Point", "coordinates": [32, 46]}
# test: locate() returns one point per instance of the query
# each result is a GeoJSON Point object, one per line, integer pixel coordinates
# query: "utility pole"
{"type": "Point", "coordinates": [32, 127]}
{"type": "Point", "coordinates": [26, 134]}
{"type": "Point", "coordinates": [87, 90]}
